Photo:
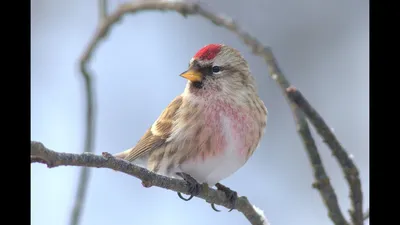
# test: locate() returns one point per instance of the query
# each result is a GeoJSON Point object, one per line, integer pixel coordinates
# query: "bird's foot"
{"type": "Point", "coordinates": [194, 186]}
{"type": "Point", "coordinates": [231, 195]}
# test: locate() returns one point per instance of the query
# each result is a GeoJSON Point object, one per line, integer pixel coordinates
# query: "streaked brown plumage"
{"type": "Point", "coordinates": [213, 127]}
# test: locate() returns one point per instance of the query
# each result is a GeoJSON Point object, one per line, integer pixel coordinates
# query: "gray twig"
{"type": "Point", "coordinates": [322, 182]}
{"type": "Point", "coordinates": [41, 154]}
{"type": "Point", "coordinates": [348, 167]}
{"type": "Point", "coordinates": [103, 8]}
{"type": "Point", "coordinates": [89, 137]}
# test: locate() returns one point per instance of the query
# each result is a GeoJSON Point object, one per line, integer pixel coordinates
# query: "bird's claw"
{"type": "Point", "coordinates": [231, 195]}
{"type": "Point", "coordinates": [215, 209]}
{"type": "Point", "coordinates": [194, 186]}
{"type": "Point", "coordinates": [183, 198]}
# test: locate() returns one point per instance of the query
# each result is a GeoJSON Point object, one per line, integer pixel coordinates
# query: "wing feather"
{"type": "Point", "coordinates": [158, 133]}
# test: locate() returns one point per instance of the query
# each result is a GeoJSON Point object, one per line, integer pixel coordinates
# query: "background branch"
{"type": "Point", "coordinates": [103, 8]}
{"type": "Point", "coordinates": [322, 183]}
{"type": "Point", "coordinates": [89, 136]}
{"type": "Point", "coordinates": [41, 154]}
{"type": "Point", "coordinates": [348, 167]}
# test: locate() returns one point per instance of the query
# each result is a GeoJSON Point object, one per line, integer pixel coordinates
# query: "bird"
{"type": "Point", "coordinates": [211, 129]}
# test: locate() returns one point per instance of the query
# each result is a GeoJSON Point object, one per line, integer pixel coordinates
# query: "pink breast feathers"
{"type": "Point", "coordinates": [226, 138]}
{"type": "Point", "coordinates": [226, 129]}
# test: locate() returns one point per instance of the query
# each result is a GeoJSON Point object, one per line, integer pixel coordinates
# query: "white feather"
{"type": "Point", "coordinates": [214, 169]}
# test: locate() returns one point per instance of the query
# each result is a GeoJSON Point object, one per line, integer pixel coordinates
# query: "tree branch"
{"type": "Point", "coordinates": [322, 183]}
{"type": "Point", "coordinates": [349, 169]}
{"type": "Point", "coordinates": [41, 154]}
{"type": "Point", "coordinates": [103, 8]}
{"type": "Point", "coordinates": [89, 136]}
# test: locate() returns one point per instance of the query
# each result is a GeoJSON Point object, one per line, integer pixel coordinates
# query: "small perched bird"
{"type": "Point", "coordinates": [209, 131]}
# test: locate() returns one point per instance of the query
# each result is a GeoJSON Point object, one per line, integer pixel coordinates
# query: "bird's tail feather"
{"type": "Point", "coordinates": [123, 154]}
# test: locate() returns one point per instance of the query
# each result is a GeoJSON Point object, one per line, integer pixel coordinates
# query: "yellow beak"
{"type": "Point", "coordinates": [192, 75]}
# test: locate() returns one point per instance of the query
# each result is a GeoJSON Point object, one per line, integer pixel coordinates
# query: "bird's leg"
{"type": "Point", "coordinates": [231, 195]}
{"type": "Point", "coordinates": [194, 186]}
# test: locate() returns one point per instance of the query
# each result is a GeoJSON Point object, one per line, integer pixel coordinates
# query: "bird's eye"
{"type": "Point", "coordinates": [216, 69]}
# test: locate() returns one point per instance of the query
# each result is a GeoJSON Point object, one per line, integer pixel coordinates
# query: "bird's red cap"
{"type": "Point", "coordinates": [208, 52]}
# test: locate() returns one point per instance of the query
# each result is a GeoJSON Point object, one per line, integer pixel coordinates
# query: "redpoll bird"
{"type": "Point", "coordinates": [209, 131]}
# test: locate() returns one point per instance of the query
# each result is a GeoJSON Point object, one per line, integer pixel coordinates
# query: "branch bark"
{"type": "Point", "coordinates": [41, 154]}
{"type": "Point", "coordinates": [348, 167]}
{"type": "Point", "coordinates": [322, 182]}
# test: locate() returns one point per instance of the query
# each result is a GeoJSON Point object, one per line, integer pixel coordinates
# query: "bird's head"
{"type": "Point", "coordinates": [218, 69]}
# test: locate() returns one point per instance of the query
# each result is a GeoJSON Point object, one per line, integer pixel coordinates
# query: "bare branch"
{"type": "Point", "coordinates": [54, 159]}
{"type": "Point", "coordinates": [322, 183]}
{"type": "Point", "coordinates": [103, 9]}
{"type": "Point", "coordinates": [89, 138]}
{"type": "Point", "coordinates": [88, 147]}
{"type": "Point", "coordinates": [349, 169]}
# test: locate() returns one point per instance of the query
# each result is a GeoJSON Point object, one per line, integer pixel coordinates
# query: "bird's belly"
{"type": "Point", "coordinates": [228, 151]}
{"type": "Point", "coordinates": [214, 169]}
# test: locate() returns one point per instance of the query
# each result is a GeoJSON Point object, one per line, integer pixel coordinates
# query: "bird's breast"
{"type": "Point", "coordinates": [226, 129]}
{"type": "Point", "coordinates": [222, 141]}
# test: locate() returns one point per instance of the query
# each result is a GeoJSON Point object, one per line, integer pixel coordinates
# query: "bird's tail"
{"type": "Point", "coordinates": [123, 154]}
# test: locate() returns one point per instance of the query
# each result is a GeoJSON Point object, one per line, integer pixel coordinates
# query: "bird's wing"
{"type": "Point", "coordinates": [157, 134]}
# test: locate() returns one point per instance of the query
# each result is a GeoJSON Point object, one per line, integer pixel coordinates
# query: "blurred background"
{"type": "Point", "coordinates": [321, 45]}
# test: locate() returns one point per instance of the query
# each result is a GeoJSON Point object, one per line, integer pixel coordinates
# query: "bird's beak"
{"type": "Point", "coordinates": [192, 75]}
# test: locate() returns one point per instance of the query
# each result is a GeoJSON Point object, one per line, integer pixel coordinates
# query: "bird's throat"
{"type": "Point", "coordinates": [197, 85]}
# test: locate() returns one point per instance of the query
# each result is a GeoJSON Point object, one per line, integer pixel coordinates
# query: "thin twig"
{"type": "Point", "coordinates": [89, 138]}
{"type": "Point", "coordinates": [349, 169]}
{"type": "Point", "coordinates": [322, 182]}
{"type": "Point", "coordinates": [54, 159]}
{"type": "Point", "coordinates": [103, 8]}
